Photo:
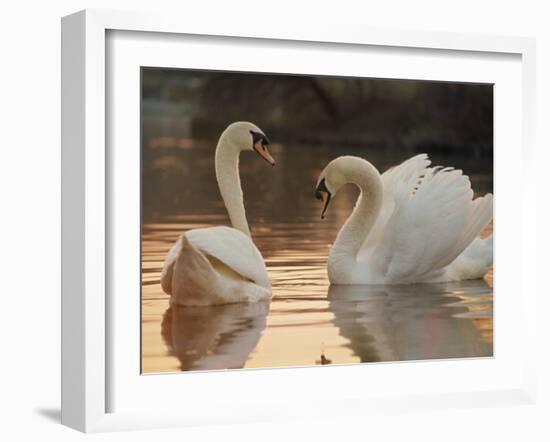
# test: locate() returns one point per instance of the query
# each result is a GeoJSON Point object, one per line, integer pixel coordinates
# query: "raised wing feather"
{"type": "Point", "coordinates": [429, 219]}
{"type": "Point", "coordinates": [230, 246]}
{"type": "Point", "coordinates": [403, 178]}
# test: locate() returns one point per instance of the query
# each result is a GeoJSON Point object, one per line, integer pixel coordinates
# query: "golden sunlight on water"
{"type": "Point", "coordinates": [307, 322]}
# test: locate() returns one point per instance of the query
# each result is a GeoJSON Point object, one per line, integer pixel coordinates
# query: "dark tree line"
{"type": "Point", "coordinates": [306, 109]}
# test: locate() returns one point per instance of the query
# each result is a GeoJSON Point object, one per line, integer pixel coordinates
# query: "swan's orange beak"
{"type": "Point", "coordinates": [261, 148]}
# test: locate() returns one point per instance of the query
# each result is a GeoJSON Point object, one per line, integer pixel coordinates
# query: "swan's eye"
{"type": "Point", "coordinates": [259, 140]}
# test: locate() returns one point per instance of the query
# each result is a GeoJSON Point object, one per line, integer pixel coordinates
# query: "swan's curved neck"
{"type": "Point", "coordinates": [229, 183]}
{"type": "Point", "coordinates": [357, 227]}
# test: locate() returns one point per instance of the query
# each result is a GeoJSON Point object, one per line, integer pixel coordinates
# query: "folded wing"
{"type": "Point", "coordinates": [230, 246]}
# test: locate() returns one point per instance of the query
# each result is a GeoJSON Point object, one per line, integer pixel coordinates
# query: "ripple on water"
{"type": "Point", "coordinates": [306, 318]}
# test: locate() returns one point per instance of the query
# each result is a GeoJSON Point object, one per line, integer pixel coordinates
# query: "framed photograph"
{"type": "Point", "coordinates": [267, 223]}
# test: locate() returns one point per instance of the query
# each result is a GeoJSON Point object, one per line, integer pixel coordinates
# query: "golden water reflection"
{"type": "Point", "coordinates": [305, 319]}
{"type": "Point", "coordinates": [307, 322]}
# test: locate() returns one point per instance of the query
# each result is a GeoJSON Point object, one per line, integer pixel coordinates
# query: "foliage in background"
{"type": "Point", "coordinates": [390, 114]}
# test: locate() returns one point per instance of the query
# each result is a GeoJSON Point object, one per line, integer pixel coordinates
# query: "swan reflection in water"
{"type": "Point", "coordinates": [414, 322]}
{"type": "Point", "coordinates": [377, 323]}
{"type": "Point", "coordinates": [214, 337]}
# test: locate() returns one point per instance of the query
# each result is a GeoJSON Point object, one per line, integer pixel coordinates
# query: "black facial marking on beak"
{"type": "Point", "coordinates": [323, 194]}
{"type": "Point", "coordinates": [259, 144]}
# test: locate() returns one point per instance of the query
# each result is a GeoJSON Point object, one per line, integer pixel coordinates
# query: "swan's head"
{"type": "Point", "coordinates": [247, 136]}
{"type": "Point", "coordinates": [338, 172]}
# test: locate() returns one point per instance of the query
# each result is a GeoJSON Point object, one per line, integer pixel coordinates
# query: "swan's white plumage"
{"type": "Point", "coordinates": [230, 246]}
{"type": "Point", "coordinates": [220, 265]}
{"type": "Point", "coordinates": [195, 278]}
{"type": "Point", "coordinates": [430, 227]}
{"type": "Point", "coordinates": [426, 222]}
{"type": "Point", "coordinates": [397, 181]}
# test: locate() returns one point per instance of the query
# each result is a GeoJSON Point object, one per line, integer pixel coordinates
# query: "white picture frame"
{"type": "Point", "coordinates": [86, 206]}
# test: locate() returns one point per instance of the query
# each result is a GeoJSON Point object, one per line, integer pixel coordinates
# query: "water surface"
{"type": "Point", "coordinates": [307, 322]}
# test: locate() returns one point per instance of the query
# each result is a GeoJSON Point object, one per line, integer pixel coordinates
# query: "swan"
{"type": "Point", "coordinates": [412, 224]}
{"type": "Point", "coordinates": [221, 265]}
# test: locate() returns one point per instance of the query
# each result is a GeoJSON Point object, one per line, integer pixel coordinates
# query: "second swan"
{"type": "Point", "coordinates": [412, 224]}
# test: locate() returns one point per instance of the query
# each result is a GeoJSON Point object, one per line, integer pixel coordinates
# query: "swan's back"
{"type": "Point", "coordinates": [227, 245]}
{"type": "Point", "coordinates": [427, 220]}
